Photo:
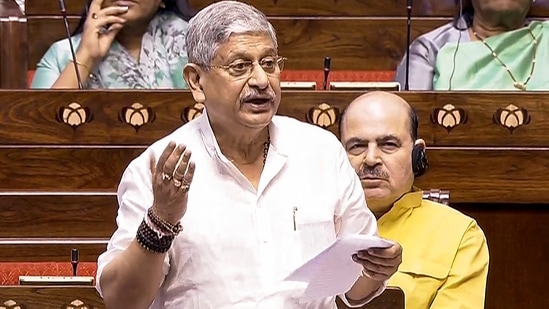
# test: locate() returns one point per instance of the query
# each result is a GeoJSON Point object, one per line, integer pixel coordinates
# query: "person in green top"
{"type": "Point", "coordinates": [490, 46]}
{"type": "Point", "coordinates": [121, 45]}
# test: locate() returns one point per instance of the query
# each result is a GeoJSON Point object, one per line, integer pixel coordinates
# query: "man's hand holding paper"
{"type": "Point", "coordinates": [379, 264]}
{"type": "Point", "coordinates": [333, 272]}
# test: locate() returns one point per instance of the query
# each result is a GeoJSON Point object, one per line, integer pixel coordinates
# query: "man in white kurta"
{"type": "Point", "coordinates": [238, 243]}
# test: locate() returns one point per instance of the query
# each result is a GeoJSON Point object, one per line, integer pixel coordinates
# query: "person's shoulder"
{"type": "Point", "coordinates": [59, 53]}
{"type": "Point", "coordinates": [449, 217]}
{"type": "Point", "coordinates": [542, 24]}
{"type": "Point", "coordinates": [63, 44]}
{"type": "Point", "coordinates": [447, 33]}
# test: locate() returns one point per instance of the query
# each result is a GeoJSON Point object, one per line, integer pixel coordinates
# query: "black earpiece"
{"type": "Point", "coordinates": [419, 160]}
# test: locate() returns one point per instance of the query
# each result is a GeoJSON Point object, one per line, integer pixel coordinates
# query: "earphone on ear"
{"type": "Point", "coordinates": [419, 160]}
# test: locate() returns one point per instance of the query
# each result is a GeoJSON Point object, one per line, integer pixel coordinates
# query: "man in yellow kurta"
{"type": "Point", "coordinates": [445, 255]}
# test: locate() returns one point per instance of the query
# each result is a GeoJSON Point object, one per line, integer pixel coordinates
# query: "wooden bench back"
{"type": "Point", "coordinates": [357, 34]}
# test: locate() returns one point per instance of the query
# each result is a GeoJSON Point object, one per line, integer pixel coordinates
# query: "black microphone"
{"type": "Point", "coordinates": [66, 21]}
{"type": "Point", "coordinates": [327, 62]}
{"type": "Point", "coordinates": [74, 261]}
{"type": "Point", "coordinates": [408, 30]}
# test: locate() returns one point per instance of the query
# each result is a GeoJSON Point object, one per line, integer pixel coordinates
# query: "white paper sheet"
{"type": "Point", "coordinates": [333, 271]}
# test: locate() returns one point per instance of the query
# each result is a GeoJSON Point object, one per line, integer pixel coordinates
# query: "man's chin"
{"type": "Point", "coordinates": [375, 193]}
{"type": "Point", "coordinates": [254, 120]}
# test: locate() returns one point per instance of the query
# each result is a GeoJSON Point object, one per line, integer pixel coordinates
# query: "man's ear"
{"type": "Point", "coordinates": [421, 143]}
{"type": "Point", "coordinates": [192, 73]}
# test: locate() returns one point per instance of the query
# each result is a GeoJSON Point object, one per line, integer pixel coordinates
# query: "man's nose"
{"type": "Point", "coordinates": [371, 156]}
{"type": "Point", "coordinates": [258, 78]}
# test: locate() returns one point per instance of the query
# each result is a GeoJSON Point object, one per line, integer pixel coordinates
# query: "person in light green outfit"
{"type": "Point", "coordinates": [491, 46]}
{"type": "Point", "coordinates": [121, 45]}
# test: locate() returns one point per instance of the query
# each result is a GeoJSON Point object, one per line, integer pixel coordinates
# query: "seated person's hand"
{"type": "Point", "coordinates": [101, 27]}
{"type": "Point", "coordinates": [379, 264]}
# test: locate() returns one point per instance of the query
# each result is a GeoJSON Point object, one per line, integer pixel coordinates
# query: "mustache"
{"type": "Point", "coordinates": [369, 171]}
{"type": "Point", "coordinates": [254, 94]}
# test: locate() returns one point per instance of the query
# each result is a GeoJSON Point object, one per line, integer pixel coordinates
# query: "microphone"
{"type": "Point", "coordinates": [327, 62]}
{"type": "Point", "coordinates": [73, 54]}
{"type": "Point", "coordinates": [408, 30]}
{"type": "Point", "coordinates": [74, 261]}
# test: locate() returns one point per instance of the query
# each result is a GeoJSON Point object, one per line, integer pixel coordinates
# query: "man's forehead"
{"type": "Point", "coordinates": [246, 44]}
{"type": "Point", "coordinates": [375, 131]}
{"type": "Point", "coordinates": [376, 121]}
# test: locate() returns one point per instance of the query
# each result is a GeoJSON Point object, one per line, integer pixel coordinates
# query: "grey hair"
{"type": "Point", "coordinates": [214, 24]}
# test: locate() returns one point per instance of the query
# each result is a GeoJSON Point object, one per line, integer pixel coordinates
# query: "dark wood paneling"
{"type": "Point", "coordinates": [489, 175]}
{"type": "Point", "coordinates": [308, 7]}
{"type": "Point", "coordinates": [43, 297]}
{"type": "Point", "coordinates": [471, 175]}
{"type": "Point", "coordinates": [60, 215]}
{"type": "Point", "coordinates": [63, 169]}
{"type": "Point", "coordinates": [305, 42]}
{"type": "Point", "coordinates": [29, 117]}
{"type": "Point", "coordinates": [518, 252]}
{"type": "Point", "coordinates": [47, 252]}
{"type": "Point", "coordinates": [479, 128]}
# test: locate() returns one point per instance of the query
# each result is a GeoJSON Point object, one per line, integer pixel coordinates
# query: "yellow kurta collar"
{"type": "Point", "coordinates": [408, 201]}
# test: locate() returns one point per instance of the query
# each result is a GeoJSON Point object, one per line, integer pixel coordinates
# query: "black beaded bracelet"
{"type": "Point", "coordinates": [163, 224]}
{"type": "Point", "coordinates": [149, 239]}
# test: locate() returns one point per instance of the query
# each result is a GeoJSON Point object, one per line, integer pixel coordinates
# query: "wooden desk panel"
{"type": "Point", "coordinates": [58, 215]}
{"type": "Point", "coordinates": [471, 175]}
{"type": "Point", "coordinates": [51, 250]}
{"type": "Point", "coordinates": [32, 117]}
{"type": "Point", "coordinates": [64, 169]}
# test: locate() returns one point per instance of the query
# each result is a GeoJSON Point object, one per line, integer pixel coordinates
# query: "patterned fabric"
{"type": "Point", "coordinates": [162, 48]}
{"type": "Point", "coordinates": [477, 68]}
{"type": "Point", "coordinates": [10, 272]}
{"type": "Point", "coordinates": [160, 65]}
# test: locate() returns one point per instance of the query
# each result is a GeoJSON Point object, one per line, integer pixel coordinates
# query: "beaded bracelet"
{"type": "Point", "coordinates": [148, 239]}
{"type": "Point", "coordinates": [159, 232]}
{"type": "Point", "coordinates": [163, 224]}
